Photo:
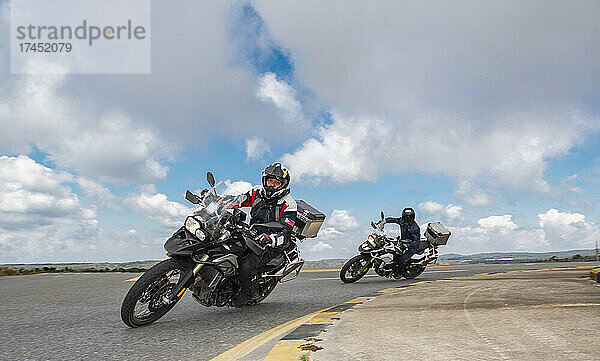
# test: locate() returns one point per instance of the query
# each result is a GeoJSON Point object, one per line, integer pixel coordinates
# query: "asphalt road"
{"type": "Point", "coordinates": [77, 316]}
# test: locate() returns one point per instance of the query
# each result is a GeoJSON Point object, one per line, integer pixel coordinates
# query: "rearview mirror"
{"type": "Point", "coordinates": [210, 179]}
{"type": "Point", "coordinates": [191, 197]}
{"type": "Point", "coordinates": [382, 216]}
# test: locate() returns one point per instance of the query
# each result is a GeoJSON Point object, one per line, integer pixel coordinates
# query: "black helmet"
{"type": "Point", "coordinates": [408, 215]}
{"type": "Point", "coordinates": [279, 172]}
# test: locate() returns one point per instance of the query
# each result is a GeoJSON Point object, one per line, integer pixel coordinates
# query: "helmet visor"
{"type": "Point", "coordinates": [274, 183]}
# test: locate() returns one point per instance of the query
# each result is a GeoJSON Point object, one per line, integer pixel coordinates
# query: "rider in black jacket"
{"type": "Point", "coordinates": [270, 202]}
{"type": "Point", "coordinates": [409, 230]}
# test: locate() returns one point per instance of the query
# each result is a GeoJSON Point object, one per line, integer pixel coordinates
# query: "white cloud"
{"type": "Point", "coordinates": [329, 231]}
{"type": "Point", "coordinates": [512, 156]}
{"type": "Point", "coordinates": [553, 217]}
{"type": "Point", "coordinates": [503, 223]}
{"type": "Point", "coordinates": [30, 188]}
{"type": "Point", "coordinates": [348, 150]}
{"type": "Point", "coordinates": [281, 94]}
{"type": "Point", "coordinates": [342, 220]}
{"type": "Point", "coordinates": [430, 89]}
{"type": "Point", "coordinates": [40, 217]}
{"type": "Point", "coordinates": [123, 129]}
{"type": "Point", "coordinates": [106, 146]}
{"type": "Point", "coordinates": [99, 192]}
{"type": "Point", "coordinates": [564, 230]}
{"type": "Point", "coordinates": [256, 148]}
{"type": "Point", "coordinates": [338, 237]}
{"type": "Point", "coordinates": [449, 212]}
{"type": "Point", "coordinates": [115, 151]}
{"type": "Point", "coordinates": [431, 207]}
{"type": "Point", "coordinates": [156, 207]}
{"type": "Point", "coordinates": [320, 247]}
{"type": "Point", "coordinates": [237, 187]}
{"type": "Point", "coordinates": [473, 195]}
{"type": "Point", "coordinates": [556, 231]}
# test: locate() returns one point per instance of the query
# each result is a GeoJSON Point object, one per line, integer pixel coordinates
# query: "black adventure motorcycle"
{"type": "Point", "coordinates": [203, 256]}
{"type": "Point", "coordinates": [378, 252]}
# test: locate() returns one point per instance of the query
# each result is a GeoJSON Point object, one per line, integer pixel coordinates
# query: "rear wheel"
{"type": "Point", "coordinates": [149, 297]}
{"type": "Point", "coordinates": [355, 268]}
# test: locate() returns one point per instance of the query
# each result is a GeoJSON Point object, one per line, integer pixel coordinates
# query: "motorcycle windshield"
{"type": "Point", "coordinates": [214, 210]}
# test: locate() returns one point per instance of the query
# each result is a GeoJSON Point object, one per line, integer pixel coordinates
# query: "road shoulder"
{"type": "Point", "coordinates": [542, 314]}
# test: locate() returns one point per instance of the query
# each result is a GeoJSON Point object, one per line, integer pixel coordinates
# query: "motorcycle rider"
{"type": "Point", "coordinates": [409, 233]}
{"type": "Point", "coordinates": [270, 202]}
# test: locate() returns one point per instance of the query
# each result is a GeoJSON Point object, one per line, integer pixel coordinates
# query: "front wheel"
{"type": "Point", "coordinates": [149, 297]}
{"type": "Point", "coordinates": [355, 268]}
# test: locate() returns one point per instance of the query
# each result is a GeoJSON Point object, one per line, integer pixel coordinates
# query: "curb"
{"type": "Point", "coordinates": [300, 342]}
{"type": "Point", "coordinates": [595, 274]}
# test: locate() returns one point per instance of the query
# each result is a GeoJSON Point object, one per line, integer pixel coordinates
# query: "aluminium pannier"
{"type": "Point", "coordinates": [308, 220]}
{"type": "Point", "coordinates": [437, 234]}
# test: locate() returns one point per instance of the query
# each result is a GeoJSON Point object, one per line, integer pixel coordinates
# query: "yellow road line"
{"type": "Point", "coordinates": [388, 289]}
{"type": "Point", "coordinates": [595, 274]}
{"type": "Point", "coordinates": [360, 299]}
{"type": "Point", "coordinates": [286, 350]}
{"type": "Point", "coordinates": [320, 270]}
{"type": "Point", "coordinates": [420, 283]}
{"type": "Point", "coordinates": [133, 279]}
{"type": "Point", "coordinates": [323, 317]}
{"type": "Point", "coordinates": [255, 342]}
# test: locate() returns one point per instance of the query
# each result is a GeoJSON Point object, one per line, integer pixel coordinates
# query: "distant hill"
{"type": "Point", "coordinates": [585, 254]}
{"type": "Point", "coordinates": [140, 266]}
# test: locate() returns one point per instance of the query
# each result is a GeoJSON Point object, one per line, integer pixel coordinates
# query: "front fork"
{"type": "Point", "coordinates": [365, 269]}
{"type": "Point", "coordinates": [187, 279]}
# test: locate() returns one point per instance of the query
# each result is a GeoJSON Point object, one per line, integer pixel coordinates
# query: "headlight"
{"type": "Point", "coordinates": [371, 241]}
{"type": "Point", "coordinates": [192, 225]}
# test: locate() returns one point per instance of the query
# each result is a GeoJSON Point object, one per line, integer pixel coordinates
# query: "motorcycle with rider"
{"type": "Point", "coordinates": [223, 259]}
{"type": "Point", "coordinates": [404, 256]}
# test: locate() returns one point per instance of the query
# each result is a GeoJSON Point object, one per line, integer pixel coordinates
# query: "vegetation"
{"type": "Point", "coordinates": [142, 266]}
{"type": "Point", "coordinates": [28, 269]}
{"type": "Point", "coordinates": [15, 271]}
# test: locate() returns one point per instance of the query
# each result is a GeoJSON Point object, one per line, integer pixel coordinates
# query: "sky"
{"type": "Point", "coordinates": [484, 116]}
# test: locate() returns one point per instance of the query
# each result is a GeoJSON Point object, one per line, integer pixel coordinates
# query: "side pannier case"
{"type": "Point", "coordinates": [308, 220]}
{"type": "Point", "coordinates": [437, 234]}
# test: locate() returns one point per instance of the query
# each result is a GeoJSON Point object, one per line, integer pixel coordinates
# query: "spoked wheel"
{"type": "Point", "coordinates": [413, 272]}
{"type": "Point", "coordinates": [355, 268]}
{"type": "Point", "coordinates": [148, 299]}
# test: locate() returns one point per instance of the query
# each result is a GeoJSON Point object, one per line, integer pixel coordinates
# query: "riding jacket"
{"type": "Point", "coordinates": [282, 210]}
{"type": "Point", "coordinates": [407, 231]}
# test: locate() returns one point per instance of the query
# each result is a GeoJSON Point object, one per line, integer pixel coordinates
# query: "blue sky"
{"type": "Point", "coordinates": [496, 134]}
